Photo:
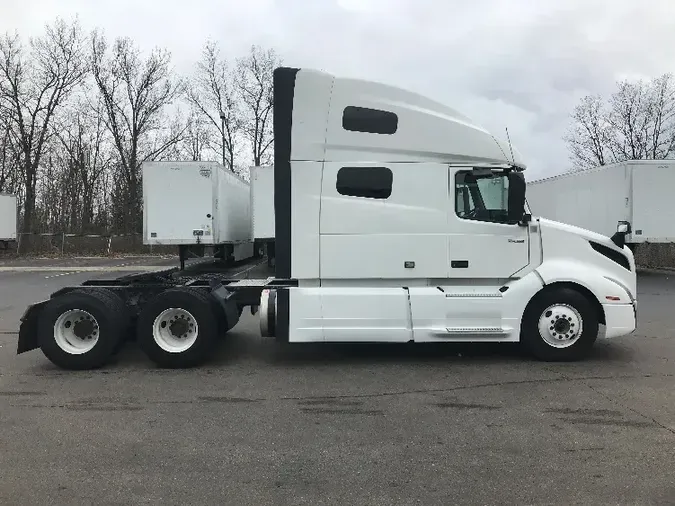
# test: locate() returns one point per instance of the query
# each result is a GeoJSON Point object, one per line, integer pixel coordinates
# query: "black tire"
{"type": "Point", "coordinates": [535, 342]}
{"type": "Point", "coordinates": [115, 300]}
{"type": "Point", "coordinates": [204, 311]}
{"type": "Point", "coordinates": [126, 321]}
{"type": "Point", "coordinates": [112, 317]}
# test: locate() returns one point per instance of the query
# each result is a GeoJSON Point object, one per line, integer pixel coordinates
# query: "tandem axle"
{"type": "Point", "coordinates": [82, 327]}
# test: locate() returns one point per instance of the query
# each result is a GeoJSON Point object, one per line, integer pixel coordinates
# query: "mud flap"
{"type": "Point", "coordinates": [28, 336]}
{"type": "Point", "coordinates": [227, 302]}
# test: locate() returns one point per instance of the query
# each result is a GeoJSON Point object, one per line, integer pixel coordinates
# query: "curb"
{"type": "Point", "coordinates": [655, 270]}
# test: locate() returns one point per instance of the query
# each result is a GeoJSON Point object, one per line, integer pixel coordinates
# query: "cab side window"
{"type": "Point", "coordinates": [482, 197]}
{"type": "Point", "coordinates": [365, 182]}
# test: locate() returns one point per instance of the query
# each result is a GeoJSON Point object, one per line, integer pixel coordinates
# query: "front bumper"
{"type": "Point", "coordinates": [621, 319]}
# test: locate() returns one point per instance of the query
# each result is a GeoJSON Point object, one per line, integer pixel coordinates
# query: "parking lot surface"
{"type": "Point", "coordinates": [325, 424]}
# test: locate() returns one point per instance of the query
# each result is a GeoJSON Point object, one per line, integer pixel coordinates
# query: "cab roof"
{"type": "Point", "coordinates": [330, 118]}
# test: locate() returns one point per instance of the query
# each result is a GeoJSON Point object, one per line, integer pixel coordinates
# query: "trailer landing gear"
{"type": "Point", "coordinates": [182, 250]}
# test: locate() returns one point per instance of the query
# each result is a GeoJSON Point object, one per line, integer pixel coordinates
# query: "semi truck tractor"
{"type": "Point", "coordinates": [397, 219]}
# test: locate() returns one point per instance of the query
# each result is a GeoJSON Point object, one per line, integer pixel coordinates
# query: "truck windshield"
{"type": "Point", "coordinates": [483, 197]}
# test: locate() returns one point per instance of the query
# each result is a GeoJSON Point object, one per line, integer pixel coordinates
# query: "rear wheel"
{"type": "Point", "coordinates": [178, 328]}
{"type": "Point", "coordinates": [560, 324]}
{"type": "Point", "coordinates": [83, 328]}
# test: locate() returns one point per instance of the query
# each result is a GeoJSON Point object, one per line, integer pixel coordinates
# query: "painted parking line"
{"type": "Point", "coordinates": [118, 268]}
{"type": "Point", "coordinates": [60, 274]}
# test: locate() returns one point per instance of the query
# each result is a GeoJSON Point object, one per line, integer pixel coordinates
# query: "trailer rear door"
{"type": "Point", "coordinates": [653, 190]}
{"type": "Point", "coordinates": [178, 203]}
{"type": "Point", "coordinates": [8, 213]}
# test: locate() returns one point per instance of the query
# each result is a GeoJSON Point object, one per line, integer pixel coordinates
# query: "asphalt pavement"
{"type": "Point", "coordinates": [326, 424]}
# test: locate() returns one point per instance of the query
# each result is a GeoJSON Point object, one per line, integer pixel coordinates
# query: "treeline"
{"type": "Point", "coordinates": [636, 122]}
{"type": "Point", "coordinates": [80, 113]}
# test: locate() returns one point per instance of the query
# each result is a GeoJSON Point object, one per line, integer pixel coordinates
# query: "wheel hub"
{"type": "Point", "coordinates": [179, 327]}
{"type": "Point", "coordinates": [76, 331]}
{"type": "Point", "coordinates": [175, 330]}
{"type": "Point", "coordinates": [83, 328]}
{"type": "Point", "coordinates": [560, 325]}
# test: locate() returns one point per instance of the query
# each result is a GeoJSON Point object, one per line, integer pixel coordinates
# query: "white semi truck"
{"type": "Point", "coordinates": [595, 199]}
{"type": "Point", "coordinates": [397, 219]}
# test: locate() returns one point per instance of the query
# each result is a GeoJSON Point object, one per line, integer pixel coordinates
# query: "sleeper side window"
{"type": "Point", "coordinates": [374, 121]}
{"type": "Point", "coordinates": [365, 182]}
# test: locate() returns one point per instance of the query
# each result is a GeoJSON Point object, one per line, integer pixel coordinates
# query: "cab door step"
{"type": "Point", "coordinates": [474, 331]}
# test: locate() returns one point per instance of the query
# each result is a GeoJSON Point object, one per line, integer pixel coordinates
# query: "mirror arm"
{"type": "Point", "coordinates": [525, 221]}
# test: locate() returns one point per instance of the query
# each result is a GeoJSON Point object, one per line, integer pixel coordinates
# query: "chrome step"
{"type": "Point", "coordinates": [252, 282]}
{"type": "Point", "coordinates": [485, 331]}
{"type": "Point", "coordinates": [483, 295]}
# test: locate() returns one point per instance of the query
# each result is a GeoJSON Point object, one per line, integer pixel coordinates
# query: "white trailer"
{"type": "Point", "coordinates": [595, 199]}
{"type": "Point", "coordinates": [262, 202]}
{"type": "Point", "coordinates": [390, 226]}
{"type": "Point", "coordinates": [196, 203]}
{"type": "Point", "coordinates": [8, 219]}
{"type": "Point", "coordinates": [262, 209]}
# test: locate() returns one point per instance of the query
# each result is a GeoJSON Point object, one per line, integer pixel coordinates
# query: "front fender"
{"type": "Point", "coordinates": [28, 329]}
{"type": "Point", "coordinates": [601, 283]}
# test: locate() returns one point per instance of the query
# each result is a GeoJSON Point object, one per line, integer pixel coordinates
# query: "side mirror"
{"type": "Point", "coordinates": [623, 228]}
{"type": "Point", "coordinates": [517, 185]}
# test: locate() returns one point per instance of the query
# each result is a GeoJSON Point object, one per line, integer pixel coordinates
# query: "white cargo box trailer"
{"type": "Point", "coordinates": [196, 203]}
{"type": "Point", "coordinates": [262, 202]}
{"type": "Point", "coordinates": [8, 219]}
{"type": "Point", "coordinates": [636, 191]}
{"type": "Point", "coordinates": [262, 209]}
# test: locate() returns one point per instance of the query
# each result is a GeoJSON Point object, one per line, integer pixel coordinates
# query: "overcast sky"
{"type": "Point", "coordinates": [521, 64]}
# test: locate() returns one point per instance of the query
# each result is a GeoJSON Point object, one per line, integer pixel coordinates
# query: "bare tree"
{"type": "Point", "coordinates": [84, 151]}
{"type": "Point", "coordinates": [198, 142]}
{"type": "Point", "coordinates": [212, 93]}
{"type": "Point", "coordinates": [135, 92]}
{"type": "Point", "coordinates": [589, 134]}
{"type": "Point", "coordinates": [660, 129]}
{"type": "Point", "coordinates": [10, 171]}
{"type": "Point", "coordinates": [636, 122]}
{"type": "Point", "coordinates": [33, 84]}
{"type": "Point", "coordinates": [255, 86]}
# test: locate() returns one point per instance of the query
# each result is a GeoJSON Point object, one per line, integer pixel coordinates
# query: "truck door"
{"type": "Point", "coordinates": [481, 242]}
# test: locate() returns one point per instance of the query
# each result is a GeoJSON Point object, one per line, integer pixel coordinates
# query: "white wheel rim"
{"type": "Point", "coordinates": [76, 331]}
{"type": "Point", "coordinates": [175, 330]}
{"type": "Point", "coordinates": [560, 325]}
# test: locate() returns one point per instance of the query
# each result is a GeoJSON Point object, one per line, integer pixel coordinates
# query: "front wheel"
{"type": "Point", "coordinates": [560, 324]}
